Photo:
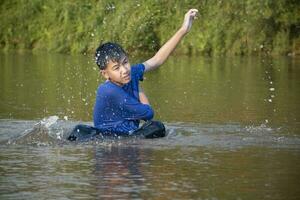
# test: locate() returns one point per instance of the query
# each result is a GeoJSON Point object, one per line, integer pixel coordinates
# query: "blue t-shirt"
{"type": "Point", "coordinates": [118, 109]}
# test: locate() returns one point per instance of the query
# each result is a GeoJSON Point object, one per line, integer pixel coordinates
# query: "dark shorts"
{"type": "Point", "coordinates": [149, 130]}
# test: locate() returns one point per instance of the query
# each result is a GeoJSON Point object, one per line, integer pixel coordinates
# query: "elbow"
{"type": "Point", "coordinates": [149, 114]}
{"type": "Point", "coordinates": [158, 60]}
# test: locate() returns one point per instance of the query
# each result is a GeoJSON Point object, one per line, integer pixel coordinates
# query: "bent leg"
{"type": "Point", "coordinates": [82, 132]}
{"type": "Point", "coordinates": [152, 129]}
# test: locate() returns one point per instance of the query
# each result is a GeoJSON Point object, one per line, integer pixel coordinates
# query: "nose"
{"type": "Point", "coordinates": [125, 69]}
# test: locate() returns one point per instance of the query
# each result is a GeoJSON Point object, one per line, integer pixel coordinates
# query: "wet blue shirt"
{"type": "Point", "coordinates": [118, 109]}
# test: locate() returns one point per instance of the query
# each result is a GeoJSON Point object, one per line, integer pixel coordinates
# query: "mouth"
{"type": "Point", "coordinates": [126, 77]}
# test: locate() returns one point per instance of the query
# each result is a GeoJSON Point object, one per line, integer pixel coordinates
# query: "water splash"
{"type": "Point", "coordinates": [39, 135]}
{"type": "Point", "coordinates": [52, 131]}
{"type": "Point", "coordinates": [47, 122]}
{"type": "Point", "coordinates": [263, 128]}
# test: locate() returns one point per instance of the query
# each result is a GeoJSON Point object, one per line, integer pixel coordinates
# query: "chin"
{"type": "Point", "coordinates": [127, 81]}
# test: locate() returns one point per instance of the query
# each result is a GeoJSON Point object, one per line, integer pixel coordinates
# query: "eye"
{"type": "Point", "coordinates": [116, 67]}
{"type": "Point", "coordinates": [125, 61]}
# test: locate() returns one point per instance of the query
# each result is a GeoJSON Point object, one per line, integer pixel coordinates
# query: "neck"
{"type": "Point", "coordinates": [116, 83]}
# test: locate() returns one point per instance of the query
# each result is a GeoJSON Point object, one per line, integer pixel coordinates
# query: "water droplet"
{"type": "Point", "coordinates": [58, 135]}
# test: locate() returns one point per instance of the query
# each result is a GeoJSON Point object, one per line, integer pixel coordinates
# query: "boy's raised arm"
{"type": "Point", "coordinates": [164, 52]}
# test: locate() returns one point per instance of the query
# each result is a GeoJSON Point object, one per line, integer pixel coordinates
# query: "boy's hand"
{"type": "Point", "coordinates": [164, 52]}
{"type": "Point", "coordinates": [188, 20]}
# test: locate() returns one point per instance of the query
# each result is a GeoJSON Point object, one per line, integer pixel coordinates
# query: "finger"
{"type": "Point", "coordinates": [193, 14]}
{"type": "Point", "coordinates": [193, 10]}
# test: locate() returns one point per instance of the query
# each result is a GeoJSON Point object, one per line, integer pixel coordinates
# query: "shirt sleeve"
{"type": "Point", "coordinates": [132, 109]}
{"type": "Point", "coordinates": [138, 71]}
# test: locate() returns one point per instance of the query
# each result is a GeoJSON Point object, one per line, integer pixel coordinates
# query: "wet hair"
{"type": "Point", "coordinates": [108, 52]}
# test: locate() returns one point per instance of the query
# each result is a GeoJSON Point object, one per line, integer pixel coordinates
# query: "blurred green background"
{"type": "Point", "coordinates": [228, 27]}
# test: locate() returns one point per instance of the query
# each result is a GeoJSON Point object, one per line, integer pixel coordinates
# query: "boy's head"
{"type": "Point", "coordinates": [113, 63]}
{"type": "Point", "coordinates": [108, 52]}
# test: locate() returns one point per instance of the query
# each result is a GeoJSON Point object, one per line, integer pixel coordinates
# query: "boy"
{"type": "Point", "coordinates": [120, 103]}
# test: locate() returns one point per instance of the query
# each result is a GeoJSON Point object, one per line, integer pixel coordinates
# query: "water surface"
{"type": "Point", "coordinates": [233, 131]}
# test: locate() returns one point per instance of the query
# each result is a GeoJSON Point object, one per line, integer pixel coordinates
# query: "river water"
{"type": "Point", "coordinates": [233, 129]}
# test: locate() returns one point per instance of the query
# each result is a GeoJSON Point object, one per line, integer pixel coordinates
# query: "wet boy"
{"type": "Point", "coordinates": [120, 102]}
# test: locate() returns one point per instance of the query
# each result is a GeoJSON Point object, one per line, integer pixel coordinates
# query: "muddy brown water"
{"type": "Point", "coordinates": [233, 129]}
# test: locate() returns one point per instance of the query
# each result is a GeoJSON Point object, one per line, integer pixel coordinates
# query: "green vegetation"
{"type": "Point", "coordinates": [224, 27]}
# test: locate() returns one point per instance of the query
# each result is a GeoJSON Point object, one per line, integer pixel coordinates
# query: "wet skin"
{"type": "Point", "coordinates": [118, 72]}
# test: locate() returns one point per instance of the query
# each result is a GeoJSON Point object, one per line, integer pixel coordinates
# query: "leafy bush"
{"type": "Point", "coordinates": [224, 27]}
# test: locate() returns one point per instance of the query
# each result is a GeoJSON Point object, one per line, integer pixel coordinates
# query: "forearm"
{"type": "Point", "coordinates": [143, 97]}
{"type": "Point", "coordinates": [164, 52]}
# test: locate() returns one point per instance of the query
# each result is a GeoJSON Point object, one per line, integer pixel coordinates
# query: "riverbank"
{"type": "Point", "coordinates": [224, 27]}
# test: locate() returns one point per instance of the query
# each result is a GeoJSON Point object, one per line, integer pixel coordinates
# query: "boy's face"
{"type": "Point", "coordinates": [118, 72]}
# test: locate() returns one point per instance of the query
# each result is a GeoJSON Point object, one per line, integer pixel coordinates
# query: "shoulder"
{"type": "Point", "coordinates": [138, 70]}
{"type": "Point", "coordinates": [139, 66]}
{"type": "Point", "coordinates": [108, 89]}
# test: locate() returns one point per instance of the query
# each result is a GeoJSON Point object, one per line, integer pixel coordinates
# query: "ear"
{"type": "Point", "coordinates": [104, 73]}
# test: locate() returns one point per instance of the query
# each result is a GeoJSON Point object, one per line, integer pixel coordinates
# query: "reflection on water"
{"type": "Point", "coordinates": [137, 169]}
{"type": "Point", "coordinates": [118, 172]}
{"type": "Point", "coordinates": [193, 160]}
{"type": "Point", "coordinates": [233, 131]}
